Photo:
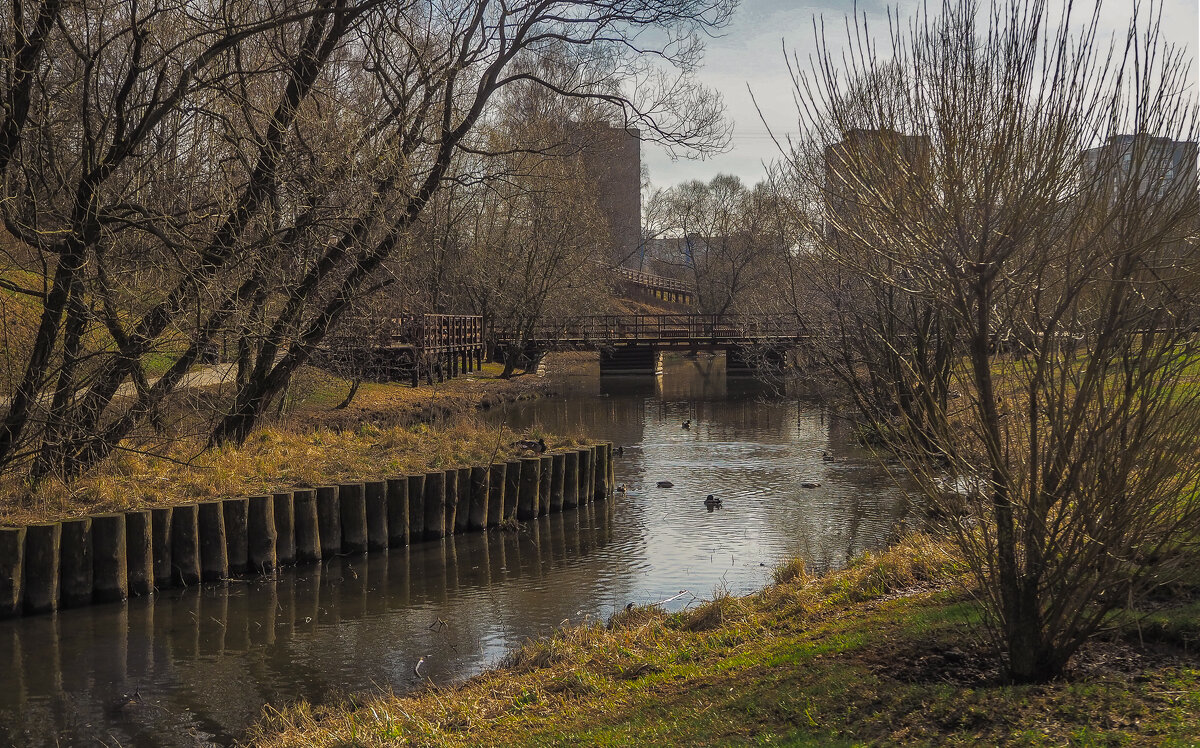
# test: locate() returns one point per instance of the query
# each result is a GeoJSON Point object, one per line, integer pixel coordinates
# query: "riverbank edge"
{"type": "Point", "coordinates": [398, 404]}
{"type": "Point", "coordinates": [110, 557]}
{"type": "Point", "coordinates": [883, 652]}
{"type": "Point", "coordinates": [429, 412]}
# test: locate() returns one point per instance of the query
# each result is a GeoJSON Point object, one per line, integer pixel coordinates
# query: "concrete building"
{"type": "Point", "coordinates": [1160, 166]}
{"type": "Point", "coordinates": [872, 168]}
{"type": "Point", "coordinates": [612, 156]}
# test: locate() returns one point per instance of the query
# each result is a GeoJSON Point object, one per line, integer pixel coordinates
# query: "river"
{"type": "Point", "coordinates": [195, 667]}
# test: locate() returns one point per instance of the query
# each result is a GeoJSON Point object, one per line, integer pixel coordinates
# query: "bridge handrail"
{"type": "Point", "coordinates": [438, 331]}
{"type": "Point", "coordinates": [632, 327]}
{"type": "Point", "coordinates": [653, 281]}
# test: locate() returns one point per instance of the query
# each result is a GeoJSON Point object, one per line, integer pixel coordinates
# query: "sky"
{"type": "Point", "coordinates": [750, 53]}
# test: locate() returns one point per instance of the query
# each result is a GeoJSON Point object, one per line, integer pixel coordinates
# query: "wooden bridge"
{"type": "Point", "coordinates": [656, 286]}
{"type": "Point", "coordinates": [411, 347]}
{"type": "Point", "coordinates": [633, 343]}
{"type": "Point", "coordinates": [429, 346]}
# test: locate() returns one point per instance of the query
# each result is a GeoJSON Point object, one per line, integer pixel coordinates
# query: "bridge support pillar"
{"type": "Point", "coordinates": [741, 360]}
{"type": "Point", "coordinates": [631, 360]}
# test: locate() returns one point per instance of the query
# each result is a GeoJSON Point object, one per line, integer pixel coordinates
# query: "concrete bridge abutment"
{"type": "Point", "coordinates": [744, 360]}
{"type": "Point", "coordinates": [631, 360]}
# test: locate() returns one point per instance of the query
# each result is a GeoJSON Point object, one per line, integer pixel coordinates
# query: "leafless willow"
{"type": "Point", "coordinates": [1006, 260]}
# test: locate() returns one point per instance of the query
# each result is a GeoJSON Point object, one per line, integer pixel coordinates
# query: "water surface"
{"type": "Point", "coordinates": [201, 663]}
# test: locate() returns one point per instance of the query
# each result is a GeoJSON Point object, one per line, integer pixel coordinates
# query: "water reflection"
{"type": "Point", "coordinates": [195, 667]}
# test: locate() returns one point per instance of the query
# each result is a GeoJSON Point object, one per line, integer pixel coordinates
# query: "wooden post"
{"type": "Point", "coordinates": [512, 487]}
{"type": "Point", "coordinates": [214, 550]}
{"type": "Point", "coordinates": [139, 552]}
{"type": "Point", "coordinates": [497, 480]}
{"type": "Point", "coordinates": [329, 521]}
{"type": "Point", "coordinates": [587, 474]}
{"type": "Point", "coordinates": [416, 508]}
{"type": "Point", "coordinates": [527, 496]}
{"type": "Point", "coordinates": [12, 558]}
{"type": "Point", "coordinates": [236, 513]}
{"type": "Point", "coordinates": [377, 519]}
{"type": "Point", "coordinates": [352, 500]}
{"type": "Point", "coordinates": [110, 575]}
{"type": "Point", "coordinates": [478, 505]}
{"type": "Point", "coordinates": [557, 481]}
{"type": "Point", "coordinates": [75, 563]}
{"type": "Point", "coordinates": [397, 512]}
{"type": "Point", "coordinates": [546, 479]}
{"type": "Point", "coordinates": [185, 545]}
{"type": "Point", "coordinates": [611, 473]}
{"type": "Point", "coordinates": [262, 537]}
{"type": "Point", "coordinates": [463, 505]}
{"type": "Point", "coordinates": [40, 579]}
{"type": "Point", "coordinates": [284, 509]}
{"type": "Point", "coordinates": [434, 506]}
{"type": "Point", "coordinates": [451, 506]}
{"type": "Point", "coordinates": [571, 479]}
{"type": "Point", "coordinates": [308, 526]}
{"type": "Point", "coordinates": [601, 472]}
{"type": "Point", "coordinates": [160, 530]}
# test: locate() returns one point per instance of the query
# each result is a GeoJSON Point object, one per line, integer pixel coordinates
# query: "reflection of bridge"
{"type": "Point", "coordinates": [633, 343]}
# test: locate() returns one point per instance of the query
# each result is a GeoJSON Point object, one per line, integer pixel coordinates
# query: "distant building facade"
{"type": "Point", "coordinates": [871, 168]}
{"type": "Point", "coordinates": [612, 157]}
{"type": "Point", "coordinates": [1161, 167]}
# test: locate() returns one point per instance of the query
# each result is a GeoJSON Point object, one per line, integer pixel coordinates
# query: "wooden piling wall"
{"type": "Point", "coordinates": [110, 557]}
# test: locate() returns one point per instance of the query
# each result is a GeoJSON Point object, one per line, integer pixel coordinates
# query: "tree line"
{"type": "Point", "coordinates": [175, 175]}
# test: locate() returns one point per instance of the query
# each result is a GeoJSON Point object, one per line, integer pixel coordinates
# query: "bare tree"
{"type": "Point", "coordinates": [720, 236]}
{"type": "Point", "coordinates": [1030, 272]}
{"type": "Point", "coordinates": [175, 175]}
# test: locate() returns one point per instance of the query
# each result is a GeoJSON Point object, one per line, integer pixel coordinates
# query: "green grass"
{"type": "Point", "coordinates": [841, 660]}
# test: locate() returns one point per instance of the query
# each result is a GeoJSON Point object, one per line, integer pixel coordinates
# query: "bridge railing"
{"type": "Point", "coordinates": [649, 280]}
{"type": "Point", "coordinates": [434, 333]}
{"type": "Point", "coordinates": [617, 328]}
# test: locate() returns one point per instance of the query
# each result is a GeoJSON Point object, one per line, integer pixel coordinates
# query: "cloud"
{"type": "Point", "coordinates": [750, 53]}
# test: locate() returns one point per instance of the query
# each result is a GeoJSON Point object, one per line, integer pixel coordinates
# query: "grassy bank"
{"type": "Point", "coordinates": [316, 394]}
{"type": "Point", "coordinates": [389, 429]}
{"type": "Point", "coordinates": [273, 458]}
{"type": "Point", "coordinates": [882, 653]}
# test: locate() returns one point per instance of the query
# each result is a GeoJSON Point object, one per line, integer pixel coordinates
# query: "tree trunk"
{"type": "Point", "coordinates": [354, 385]}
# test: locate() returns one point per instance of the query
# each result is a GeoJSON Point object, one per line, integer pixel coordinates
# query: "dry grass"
{"type": "Point", "coordinates": [273, 458]}
{"type": "Point", "coordinates": [590, 669]}
{"type": "Point", "coordinates": [389, 429]}
{"type": "Point", "coordinates": [851, 658]}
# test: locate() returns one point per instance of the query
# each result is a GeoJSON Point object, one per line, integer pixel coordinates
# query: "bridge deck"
{"type": "Point", "coordinates": [663, 331]}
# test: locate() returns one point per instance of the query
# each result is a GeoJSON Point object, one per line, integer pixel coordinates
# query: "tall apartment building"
{"type": "Point", "coordinates": [1160, 166]}
{"type": "Point", "coordinates": [871, 170]}
{"type": "Point", "coordinates": [612, 156]}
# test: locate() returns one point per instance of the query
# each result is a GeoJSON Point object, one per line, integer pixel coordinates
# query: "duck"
{"type": "Point", "coordinates": [621, 488]}
{"type": "Point", "coordinates": [687, 424]}
{"type": "Point", "coordinates": [712, 502]}
{"type": "Point", "coordinates": [826, 456]}
{"type": "Point", "coordinates": [665, 484]}
{"type": "Point", "coordinates": [810, 485]}
{"type": "Point", "coordinates": [538, 446]}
